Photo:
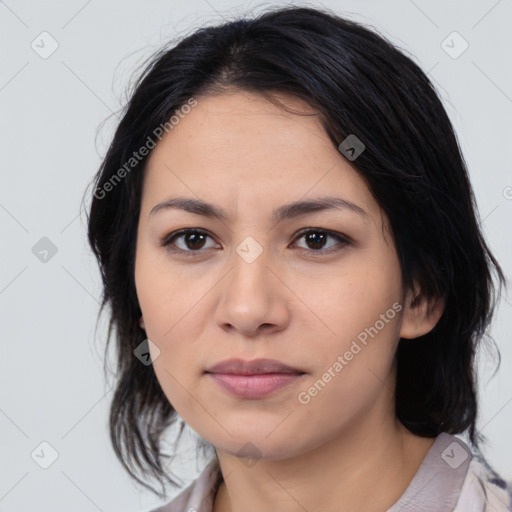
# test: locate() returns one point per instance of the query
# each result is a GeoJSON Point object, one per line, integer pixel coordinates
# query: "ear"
{"type": "Point", "coordinates": [141, 323]}
{"type": "Point", "coordinates": [420, 315]}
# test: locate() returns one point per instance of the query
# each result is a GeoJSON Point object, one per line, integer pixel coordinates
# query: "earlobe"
{"type": "Point", "coordinates": [141, 323]}
{"type": "Point", "coordinates": [420, 315]}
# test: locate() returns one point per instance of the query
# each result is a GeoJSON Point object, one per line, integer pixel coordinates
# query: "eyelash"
{"type": "Point", "coordinates": [344, 240]}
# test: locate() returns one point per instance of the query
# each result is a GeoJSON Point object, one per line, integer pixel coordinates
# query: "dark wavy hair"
{"type": "Point", "coordinates": [360, 83]}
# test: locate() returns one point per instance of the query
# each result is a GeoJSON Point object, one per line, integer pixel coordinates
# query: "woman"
{"type": "Point", "coordinates": [290, 249]}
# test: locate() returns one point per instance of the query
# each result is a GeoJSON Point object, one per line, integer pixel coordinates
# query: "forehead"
{"type": "Point", "coordinates": [239, 149]}
{"type": "Point", "coordinates": [244, 125]}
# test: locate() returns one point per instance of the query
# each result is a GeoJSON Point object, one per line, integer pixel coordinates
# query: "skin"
{"type": "Point", "coordinates": [344, 450]}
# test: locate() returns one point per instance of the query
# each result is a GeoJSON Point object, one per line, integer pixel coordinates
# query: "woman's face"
{"type": "Point", "coordinates": [255, 285]}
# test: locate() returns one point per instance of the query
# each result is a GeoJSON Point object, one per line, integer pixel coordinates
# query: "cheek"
{"type": "Point", "coordinates": [348, 299]}
{"type": "Point", "coordinates": [165, 296]}
{"type": "Point", "coordinates": [359, 313]}
{"type": "Point", "coordinates": [174, 313]}
{"type": "Point", "coordinates": [351, 369]}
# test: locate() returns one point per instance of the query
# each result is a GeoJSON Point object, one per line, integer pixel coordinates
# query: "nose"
{"type": "Point", "coordinates": [254, 298]}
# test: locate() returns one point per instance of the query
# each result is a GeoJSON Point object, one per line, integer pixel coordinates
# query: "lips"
{"type": "Point", "coordinates": [254, 379]}
{"type": "Point", "coordinates": [254, 367]}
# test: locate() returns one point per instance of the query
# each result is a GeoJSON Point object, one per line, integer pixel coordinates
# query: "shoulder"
{"type": "Point", "coordinates": [198, 496]}
{"type": "Point", "coordinates": [178, 503]}
{"type": "Point", "coordinates": [484, 490]}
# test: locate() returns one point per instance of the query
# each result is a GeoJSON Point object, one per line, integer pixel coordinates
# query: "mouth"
{"type": "Point", "coordinates": [254, 379]}
{"type": "Point", "coordinates": [254, 367]}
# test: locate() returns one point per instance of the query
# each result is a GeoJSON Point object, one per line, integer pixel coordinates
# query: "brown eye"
{"type": "Point", "coordinates": [316, 240]}
{"type": "Point", "coordinates": [191, 240]}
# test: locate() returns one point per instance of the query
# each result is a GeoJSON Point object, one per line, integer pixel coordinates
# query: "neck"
{"type": "Point", "coordinates": [364, 468]}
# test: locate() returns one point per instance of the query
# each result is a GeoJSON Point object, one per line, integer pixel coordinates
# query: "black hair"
{"type": "Point", "coordinates": [360, 84]}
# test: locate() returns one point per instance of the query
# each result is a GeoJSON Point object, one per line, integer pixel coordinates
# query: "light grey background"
{"type": "Point", "coordinates": [52, 388]}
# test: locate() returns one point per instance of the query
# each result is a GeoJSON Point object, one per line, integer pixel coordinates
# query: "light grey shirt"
{"type": "Point", "coordinates": [450, 479]}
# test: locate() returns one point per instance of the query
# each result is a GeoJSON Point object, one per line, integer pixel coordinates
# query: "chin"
{"type": "Point", "coordinates": [258, 447]}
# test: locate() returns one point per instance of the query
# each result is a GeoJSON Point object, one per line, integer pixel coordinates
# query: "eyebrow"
{"type": "Point", "coordinates": [287, 211]}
